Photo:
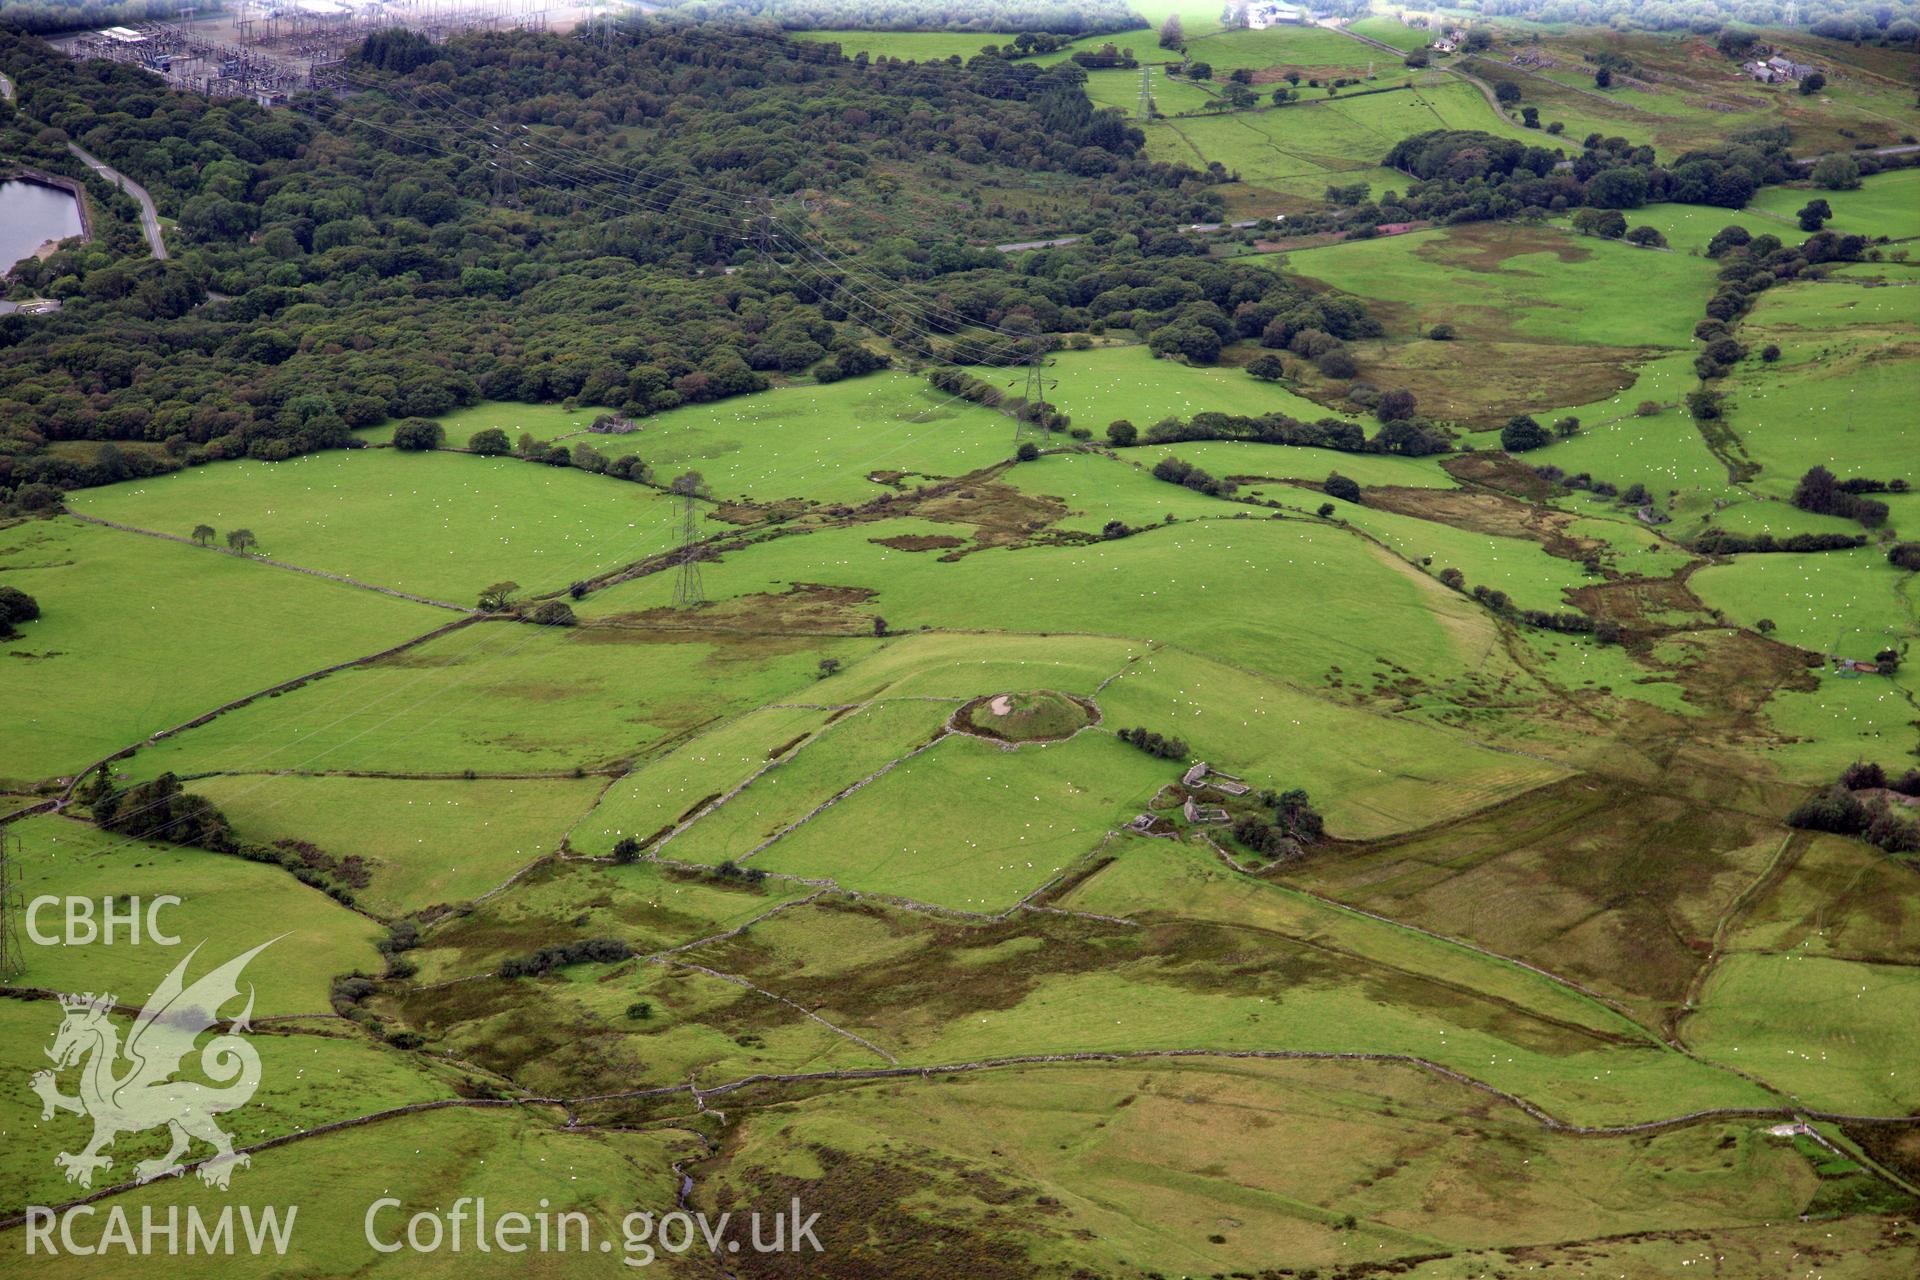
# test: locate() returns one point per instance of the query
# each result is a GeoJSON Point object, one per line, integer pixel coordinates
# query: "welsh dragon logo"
{"type": "Point", "coordinates": [143, 1095]}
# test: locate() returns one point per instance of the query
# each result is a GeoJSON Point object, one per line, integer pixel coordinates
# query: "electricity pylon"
{"type": "Point", "coordinates": [688, 589]}
{"type": "Point", "coordinates": [1034, 421]}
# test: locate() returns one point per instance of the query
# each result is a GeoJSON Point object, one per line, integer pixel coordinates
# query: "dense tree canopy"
{"type": "Point", "coordinates": [381, 257]}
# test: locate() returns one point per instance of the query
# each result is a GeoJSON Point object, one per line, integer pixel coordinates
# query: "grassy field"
{"type": "Point", "coordinates": [1150, 881]}
{"type": "Point", "coordinates": [908, 46]}
{"type": "Point", "coordinates": [1301, 149]}
{"type": "Point", "coordinates": [1839, 899]}
{"type": "Point", "coordinates": [1828, 1031]}
{"type": "Point", "coordinates": [1314, 48]}
{"type": "Point", "coordinates": [1213, 1168]}
{"type": "Point", "coordinates": [821, 443]}
{"type": "Point", "coordinates": [118, 653]}
{"type": "Point", "coordinates": [671, 788]}
{"type": "Point", "coordinates": [1109, 383]}
{"type": "Point", "coordinates": [1546, 286]}
{"type": "Point", "coordinates": [1663, 449]}
{"type": "Point", "coordinates": [227, 906]}
{"type": "Point", "coordinates": [854, 746]}
{"type": "Point", "coordinates": [434, 524]}
{"type": "Point", "coordinates": [1839, 394]}
{"type": "Point", "coordinates": [1683, 93]}
{"type": "Point", "coordinates": [1850, 602]}
{"type": "Point", "coordinates": [1393, 31]}
{"type": "Point", "coordinates": [501, 698]}
{"type": "Point", "coordinates": [1370, 774]}
{"type": "Point", "coordinates": [541, 421]}
{"type": "Point", "coordinates": [1172, 95]}
{"type": "Point", "coordinates": [1368, 606]}
{"type": "Point", "coordinates": [1555, 318]}
{"type": "Point", "coordinates": [307, 1078]}
{"type": "Point", "coordinates": [1257, 467]}
{"type": "Point", "coordinates": [973, 826]}
{"type": "Point", "coordinates": [425, 841]}
{"type": "Point", "coordinates": [505, 1156]}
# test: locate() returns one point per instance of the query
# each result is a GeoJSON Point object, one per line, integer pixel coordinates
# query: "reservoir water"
{"type": "Point", "coordinates": [31, 215]}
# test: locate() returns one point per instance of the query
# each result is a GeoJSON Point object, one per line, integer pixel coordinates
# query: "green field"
{"type": "Point", "coordinates": [1294, 1155]}
{"type": "Point", "coordinates": [971, 825]}
{"type": "Point", "coordinates": [1254, 568]}
{"type": "Point", "coordinates": [1828, 1031]}
{"type": "Point", "coordinates": [117, 654]}
{"type": "Point", "coordinates": [433, 524]}
{"type": "Point", "coordinates": [1373, 774]}
{"type": "Point", "coordinates": [309, 1076]}
{"type": "Point", "coordinates": [499, 698]}
{"type": "Point", "coordinates": [1284, 46]}
{"type": "Point", "coordinates": [855, 746]}
{"type": "Point", "coordinates": [1100, 386]}
{"type": "Point", "coordinates": [1546, 286]}
{"type": "Point", "coordinates": [426, 841]}
{"type": "Point", "coordinates": [227, 906]}
{"type": "Point", "coordinates": [1841, 344]}
{"type": "Point", "coordinates": [908, 46]}
{"type": "Point", "coordinates": [1394, 32]}
{"type": "Point", "coordinates": [545, 422]}
{"type": "Point", "coordinates": [821, 443]}
{"type": "Point", "coordinates": [1301, 149]}
{"type": "Point", "coordinates": [499, 1154]}
{"type": "Point", "coordinates": [1172, 95]}
{"type": "Point", "coordinates": [1554, 319]}
{"type": "Point", "coordinates": [1850, 602]}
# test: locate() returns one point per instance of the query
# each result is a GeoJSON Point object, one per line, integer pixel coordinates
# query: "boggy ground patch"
{"type": "Point", "coordinates": [908, 1211]}
{"type": "Point", "coordinates": [1615, 885]}
{"type": "Point", "coordinates": [804, 606]}
{"type": "Point", "coordinates": [999, 513]}
{"type": "Point", "coordinates": [1489, 513]}
{"type": "Point", "coordinates": [1644, 605]}
{"type": "Point", "coordinates": [1041, 716]}
{"type": "Point", "coordinates": [919, 542]}
{"type": "Point", "coordinates": [557, 902]}
{"type": "Point", "coordinates": [912, 990]}
{"type": "Point", "coordinates": [1485, 248]}
{"type": "Point", "coordinates": [1486, 380]}
{"type": "Point", "coordinates": [1498, 471]}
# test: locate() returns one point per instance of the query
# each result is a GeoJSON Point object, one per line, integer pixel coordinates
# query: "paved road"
{"type": "Point", "coordinates": [149, 216]}
{"type": "Point", "coordinates": [1904, 150]}
{"type": "Point", "coordinates": [1019, 245]}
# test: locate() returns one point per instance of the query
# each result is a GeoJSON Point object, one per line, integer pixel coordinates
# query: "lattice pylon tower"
{"type": "Point", "coordinates": [13, 962]}
{"type": "Point", "coordinates": [1035, 419]}
{"type": "Point", "coordinates": [688, 589]}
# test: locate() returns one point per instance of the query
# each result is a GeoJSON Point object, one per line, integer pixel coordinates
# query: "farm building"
{"type": "Point", "coordinates": [1202, 813]}
{"type": "Point", "coordinates": [1443, 45]}
{"type": "Point", "coordinates": [1262, 16]}
{"type": "Point", "coordinates": [1777, 70]}
{"type": "Point", "coordinates": [1205, 775]}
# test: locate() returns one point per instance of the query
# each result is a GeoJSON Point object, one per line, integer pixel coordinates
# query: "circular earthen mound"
{"type": "Point", "coordinates": [1039, 716]}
